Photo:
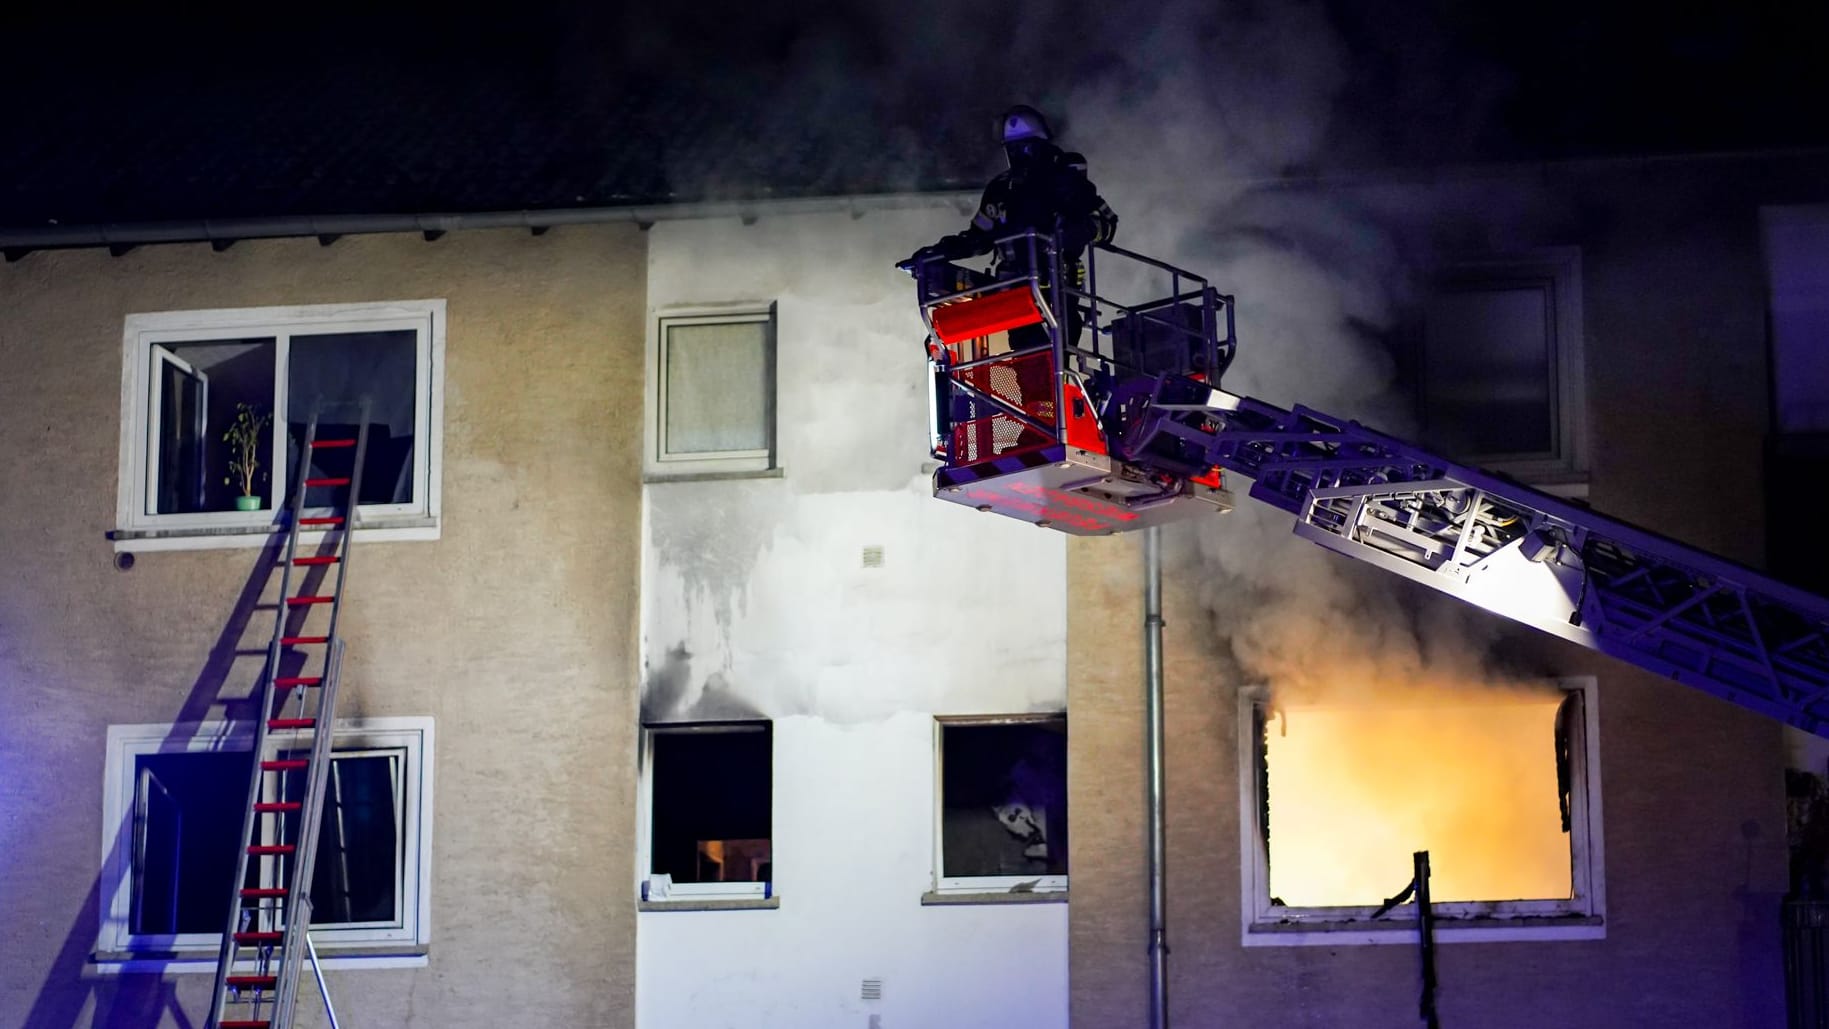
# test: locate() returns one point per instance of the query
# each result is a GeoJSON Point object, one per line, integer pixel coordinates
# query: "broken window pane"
{"type": "Point", "coordinates": [337, 371]}
{"type": "Point", "coordinates": [1481, 782]}
{"type": "Point", "coordinates": [1003, 798]}
{"type": "Point", "coordinates": [712, 803]}
{"type": "Point", "coordinates": [195, 389]}
{"type": "Point", "coordinates": [719, 386]}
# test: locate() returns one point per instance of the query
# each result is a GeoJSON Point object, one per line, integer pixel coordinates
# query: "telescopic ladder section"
{"type": "Point", "coordinates": [1529, 556]}
{"type": "Point", "coordinates": [264, 941]}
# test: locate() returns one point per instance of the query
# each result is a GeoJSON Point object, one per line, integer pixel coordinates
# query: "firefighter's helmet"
{"type": "Point", "coordinates": [1023, 122]}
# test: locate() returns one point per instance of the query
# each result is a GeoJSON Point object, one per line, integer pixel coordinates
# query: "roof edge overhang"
{"type": "Point", "coordinates": [17, 241]}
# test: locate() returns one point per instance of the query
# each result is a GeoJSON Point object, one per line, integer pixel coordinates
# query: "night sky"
{"type": "Point", "coordinates": [144, 114]}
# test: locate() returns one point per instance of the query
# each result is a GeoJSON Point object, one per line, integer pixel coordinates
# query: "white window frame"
{"type": "Point", "coordinates": [1581, 917]}
{"type": "Point", "coordinates": [413, 735]}
{"type": "Point", "coordinates": [644, 848]}
{"type": "Point", "coordinates": [141, 340]}
{"type": "Point", "coordinates": [659, 462]}
{"type": "Point", "coordinates": [945, 885]}
{"type": "Point", "coordinates": [1564, 470]}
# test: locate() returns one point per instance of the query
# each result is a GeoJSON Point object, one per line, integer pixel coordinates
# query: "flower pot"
{"type": "Point", "coordinates": [247, 503]}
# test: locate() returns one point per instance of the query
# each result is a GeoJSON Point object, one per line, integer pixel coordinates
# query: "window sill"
{"type": "Point", "coordinates": [937, 898]}
{"type": "Point", "coordinates": [711, 904]}
{"type": "Point", "coordinates": [1521, 929]}
{"type": "Point", "coordinates": [107, 963]}
{"type": "Point", "coordinates": [653, 478]}
{"type": "Point", "coordinates": [372, 530]}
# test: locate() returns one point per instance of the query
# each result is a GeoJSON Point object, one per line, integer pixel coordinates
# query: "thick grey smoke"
{"type": "Point", "coordinates": [1195, 151]}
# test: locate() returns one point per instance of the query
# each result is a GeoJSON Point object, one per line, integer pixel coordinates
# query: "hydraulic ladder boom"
{"type": "Point", "coordinates": [1529, 556]}
{"type": "Point", "coordinates": [1117, 423]}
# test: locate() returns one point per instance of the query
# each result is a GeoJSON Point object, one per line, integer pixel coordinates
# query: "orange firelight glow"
{"type": "Point", "coordinates": [1468, 775]}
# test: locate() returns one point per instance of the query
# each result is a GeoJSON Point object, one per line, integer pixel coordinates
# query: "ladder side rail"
{"type": "Point", "coordinates": [298, 894]}
{"type": "Point", "coordinates": [348, 535]}
{"type": "Point", "coordinates": [228, 953]}
{"type": "Point", "coordinates": [311, 813]}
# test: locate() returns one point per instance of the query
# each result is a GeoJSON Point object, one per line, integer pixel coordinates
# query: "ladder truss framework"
{"type": "Point", "coordinates": [1118, 424]}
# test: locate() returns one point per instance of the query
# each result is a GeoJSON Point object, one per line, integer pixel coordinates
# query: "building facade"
{"type": "Point", "coordinates": [732, 724]}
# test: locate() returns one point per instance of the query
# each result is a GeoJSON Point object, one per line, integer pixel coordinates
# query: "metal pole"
{"type": "Point", "coordinates": [1425, 931]}
{"type": "Point", "coordinates": [1152, 664]}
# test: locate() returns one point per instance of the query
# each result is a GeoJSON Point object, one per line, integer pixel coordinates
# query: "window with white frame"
{"type": "Point", "coordinates": [189, 375]}
{"type": "Point", "coordinates": [1003, 804]}
{"type": "Point", "coordinates": [1499, 785]}
{"type": "Point", "coordinates": [1499, 372]}
{"type": "Point", "coordinates": [710, 806]}
{"type": "Point", "coordinates": [713, 392]}
{"type": "Point", "coordinates": [172, 817]}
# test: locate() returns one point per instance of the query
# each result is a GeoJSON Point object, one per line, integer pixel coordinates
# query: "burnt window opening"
{"type": "Point", "coordinates": [711, 801]}
{"type": "Point", "coordinates": [1495, 785]}
{"type": "Point", "coordinates": [1003, 802]}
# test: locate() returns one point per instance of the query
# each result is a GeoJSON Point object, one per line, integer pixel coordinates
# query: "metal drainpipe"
{"type": "Point", "coordinates": [1152, 673]}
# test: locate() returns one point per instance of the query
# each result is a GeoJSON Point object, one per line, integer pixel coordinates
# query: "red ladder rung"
{"type": "Point", "coordinates": [322, 520]}
{"type": "Point", "coordinates": [260, 849]}
{"type": "Point", "coordinates": [317, 559]}
{"type": "Point", "coordinates": [329, 480]}
{"type": "Point", "coordinates": [244, 1023]}
{"type": "Point", "coordinates": [264, 891]}
{"type": "Point", "coordinates": [291, 723]}
{"type": "Point", "coordinates": [297, 641]}
{"type": "Point", "coordinates": [278, 805]}
{"type": "Point", "coordinates": [299, 680]}
{"type": "Point", "coordinates": [302, 601]}
{"type": "Point", "coordinates": [269, 936]}
{"type": "Point", "coordinates": [284, 764]}
{"type": "Point", "coordinates": [318, 444]}
{"type": "Point", "coordinates": [242, 982]}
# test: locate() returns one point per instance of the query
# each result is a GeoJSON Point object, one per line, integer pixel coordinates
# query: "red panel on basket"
{"type": "Point", "coordinates": [980, 316]}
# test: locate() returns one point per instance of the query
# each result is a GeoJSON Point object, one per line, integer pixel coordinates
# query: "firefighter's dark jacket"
{"type": "Point", "coordinates": [1032, 195]}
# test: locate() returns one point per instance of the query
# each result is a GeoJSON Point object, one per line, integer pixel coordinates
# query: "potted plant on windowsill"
{"type": "Point", "coordinates": [243, 438]}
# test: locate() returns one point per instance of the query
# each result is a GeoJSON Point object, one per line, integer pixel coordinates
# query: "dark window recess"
{"type": "Point", "coordinates": [187, 814]}
{"type": "Point", "coordinates": [331, 374]}
{"type": "Point", "coordinates": [711, 803]}
{"type": "Point", "coordinates": [1796, 465]}
{"type": "Point", "coordinates": [357, 875]}
{"type": "Point", "coordinates": [188, 810]}
{"type": "Point", "coordinates": [1488, 368]}
{"type": "Point", "coordinates": [1003, 799]}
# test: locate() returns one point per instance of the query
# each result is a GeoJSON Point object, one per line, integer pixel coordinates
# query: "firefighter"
{"type": "Point", "coordinates": [1044, 189]}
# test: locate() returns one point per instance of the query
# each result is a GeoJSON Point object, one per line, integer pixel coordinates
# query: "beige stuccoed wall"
{"type": "Point", "coordinates": [515, 631]}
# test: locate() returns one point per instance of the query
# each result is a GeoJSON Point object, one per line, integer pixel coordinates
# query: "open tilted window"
{"type": "Point", "coordinates": [189, 375]}
{"type": "Point", "coordinates": [1499, 786]}
{"type": "Point", "coordinates": [173, 821]}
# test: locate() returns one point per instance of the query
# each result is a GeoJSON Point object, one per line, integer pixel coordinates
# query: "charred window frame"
{"type": "Point", "coordinates": [707, 823]}
{"type": "Point", "coordinates": [1000, 823]}
{"type": "Point", "coordinates": [1574, 748]}
{"type": "Point", "coordinates": [1494, 354]}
